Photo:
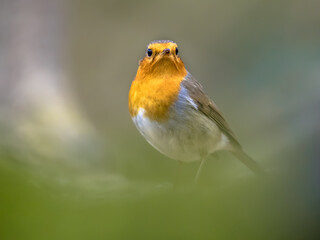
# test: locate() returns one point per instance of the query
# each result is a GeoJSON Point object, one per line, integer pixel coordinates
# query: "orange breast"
{"type": "Point", "coordinates": [155, 94]}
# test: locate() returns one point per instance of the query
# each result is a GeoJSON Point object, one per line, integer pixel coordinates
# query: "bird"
{"type": "Point", "coordinates": [173, 113]}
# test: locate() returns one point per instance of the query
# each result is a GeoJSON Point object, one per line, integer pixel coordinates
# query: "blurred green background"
{"type": "Point", "coordinates": [72, 164]}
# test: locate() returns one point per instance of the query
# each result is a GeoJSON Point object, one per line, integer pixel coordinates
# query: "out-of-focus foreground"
{"type": "Point", "coordinates": [73, 166]}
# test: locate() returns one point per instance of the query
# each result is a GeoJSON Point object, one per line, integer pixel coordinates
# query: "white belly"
{"type": "Point", "coordinates": [185, 137]}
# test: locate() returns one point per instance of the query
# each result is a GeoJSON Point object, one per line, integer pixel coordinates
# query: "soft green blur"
{"type": "Point", "coordinates": [72, 164]}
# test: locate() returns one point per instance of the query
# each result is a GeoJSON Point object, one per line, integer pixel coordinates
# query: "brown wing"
{"type": "Point", "coordinates": [207, 107]}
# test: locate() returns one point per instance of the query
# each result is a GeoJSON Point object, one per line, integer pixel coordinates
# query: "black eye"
{"type": "Point", "coordinates": [177, 51]}
{"type": "Point", "coordinates": [149, 52]}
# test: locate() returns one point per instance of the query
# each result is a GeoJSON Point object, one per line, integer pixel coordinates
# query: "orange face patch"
{"type": "Point", "coordinates": [157, 83]}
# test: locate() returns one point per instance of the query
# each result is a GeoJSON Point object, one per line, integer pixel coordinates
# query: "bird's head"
{"type": "Point", "coordinates": [161, 58]}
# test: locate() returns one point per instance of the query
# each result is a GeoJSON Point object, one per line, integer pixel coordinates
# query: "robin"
{"type": "Point", "coordinates": [171, 110]}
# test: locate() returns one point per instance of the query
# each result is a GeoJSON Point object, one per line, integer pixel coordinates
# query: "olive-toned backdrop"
{"type": "Point", "coordinates": [72, 164]}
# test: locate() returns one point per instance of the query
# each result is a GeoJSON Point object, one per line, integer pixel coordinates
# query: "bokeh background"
{"type": "Point", "coordinates": [72, 164]}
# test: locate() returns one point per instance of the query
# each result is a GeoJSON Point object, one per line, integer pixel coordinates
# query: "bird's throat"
{"type": "Point", "coordinates": [156, 91]}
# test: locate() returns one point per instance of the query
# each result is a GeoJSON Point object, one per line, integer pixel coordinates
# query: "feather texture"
{"type": "Point", "coordinates": [207, 107]}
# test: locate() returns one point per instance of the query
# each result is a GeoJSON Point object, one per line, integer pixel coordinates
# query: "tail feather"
{"type": "Point", "coordinates": [249, 162]}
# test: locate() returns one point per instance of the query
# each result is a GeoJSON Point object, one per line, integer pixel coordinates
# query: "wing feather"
{"type": "Point", "coordinates": [206, 106]}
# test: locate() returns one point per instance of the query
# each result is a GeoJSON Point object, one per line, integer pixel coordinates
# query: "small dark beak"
{"type": "Point", "coordinates": [166, 51]}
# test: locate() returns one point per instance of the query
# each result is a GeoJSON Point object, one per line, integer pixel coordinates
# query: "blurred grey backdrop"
{"type": "Point", "coordinates": [259, 61]}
